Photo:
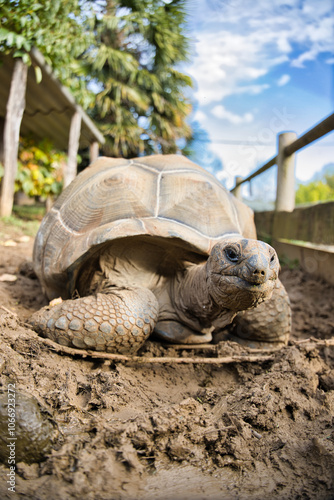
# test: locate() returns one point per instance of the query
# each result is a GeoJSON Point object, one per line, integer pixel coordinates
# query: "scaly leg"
{"type": "Point", "coordinates": [118, 321]}
{"type": "Point", "coordinates": [176, 333]}
{"type": "Point", "coordinates": [267, 325]}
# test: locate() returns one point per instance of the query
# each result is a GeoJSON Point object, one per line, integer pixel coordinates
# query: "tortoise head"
{"type": "Point", "coordinates": [241, 272]}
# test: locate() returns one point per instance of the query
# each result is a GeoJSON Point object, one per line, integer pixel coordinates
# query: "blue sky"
{"type": "Point", "coordinates": [261, 68]}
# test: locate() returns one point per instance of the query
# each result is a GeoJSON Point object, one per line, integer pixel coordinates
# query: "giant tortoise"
{"type": "Point", "coordinates": [155, 244]}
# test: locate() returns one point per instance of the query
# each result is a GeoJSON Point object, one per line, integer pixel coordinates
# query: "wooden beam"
{"type": "Point", "coordinates": [93, 151]}
{"type": "Point", "coordinates": [318, 131]}
{"type": "Point", "coordinates": [2, 128]}
{"type": "Point", "coordinates": [14, 113]}
{"type": "Point", "coordinates": [73, 147]}
{"type": "Point", "coordinates": [264, 168]}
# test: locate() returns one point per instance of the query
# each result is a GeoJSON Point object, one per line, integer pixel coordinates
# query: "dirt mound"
{"type": "Point", "coordinates": [244, 430]}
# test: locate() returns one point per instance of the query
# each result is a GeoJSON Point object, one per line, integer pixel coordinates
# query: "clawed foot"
{"type": "Point", "coordinates": [120, 321]}
{"type": "Point", "coordinates": [268, 325]}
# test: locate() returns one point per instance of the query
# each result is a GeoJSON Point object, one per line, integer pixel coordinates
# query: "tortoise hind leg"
{"type": "Point", "coordinates": [118, 321]}
{"type": "Point", "coordinates": [266, 326]}
{"type": "Point", "coordinates": [175, 332]}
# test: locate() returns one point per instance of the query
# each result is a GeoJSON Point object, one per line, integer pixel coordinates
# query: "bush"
{"type": "Point", "coordinates": [40, 168]}
{"type": "Point", "coordinates": [315, 191]}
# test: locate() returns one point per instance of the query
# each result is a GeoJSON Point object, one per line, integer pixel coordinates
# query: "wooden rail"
{"type": "Point", "coordinates": [288, 145]}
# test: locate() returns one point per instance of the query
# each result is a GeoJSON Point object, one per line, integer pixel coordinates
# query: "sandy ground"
{"type": "Point", "coordinates": [254, 429]}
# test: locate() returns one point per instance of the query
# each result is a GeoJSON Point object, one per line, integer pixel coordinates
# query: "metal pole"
{"type": "Point", "coordinates": [285, 194]}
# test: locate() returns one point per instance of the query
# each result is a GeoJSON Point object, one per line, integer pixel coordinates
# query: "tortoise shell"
{"type": "Point", "coordinates": [164, 196]}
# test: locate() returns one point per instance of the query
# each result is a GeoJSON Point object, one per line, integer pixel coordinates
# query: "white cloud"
{"type": "Point", "coordinates": [309, 55]}
{"type": "Point", "coordinates": [238, 52]}
{"type": "Point", "coordinates": [220, 112]}
{"type": "Point", "coordinates": [252, 89]}
{"type": "Point", "coordinates": [200, 116]}
{"type": "Point", "coordinates": [238, 44]}
{"type": "Point", "coordinates": [225, 65]}
{"type": "Point", "coordinates": [283, 80]}
{"type": "Point", "coordinates": [312, 159]}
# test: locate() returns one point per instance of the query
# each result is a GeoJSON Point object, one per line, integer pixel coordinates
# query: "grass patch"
{"type": "Point", "coordinates": [29, 212]}
{"type": "Point", "coordinates": [28, 227]}
{"type": "Point", "coordinates": [24, 220]}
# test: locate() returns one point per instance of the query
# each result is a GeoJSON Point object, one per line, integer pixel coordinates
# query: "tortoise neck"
{"type": "Point", "coordinates": [191, 298]}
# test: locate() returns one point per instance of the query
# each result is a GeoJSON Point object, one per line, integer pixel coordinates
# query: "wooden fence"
{"type": "Point", "coordinates": [304, 234]}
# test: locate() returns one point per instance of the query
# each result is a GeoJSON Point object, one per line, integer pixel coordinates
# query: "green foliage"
{"type": "Point", "coordinates": [320, 190]}
{"type": "Point", "coordinates": [40, 169]}
{"type": "Point", "coordinates": [120, 60]}
{"type": "Point", "coordinates": [34, 212]}
{"type": "Point", "coordinates": [50, 25]}
{"type": "Point", "coordinates": [59, 29]}
{"type": "Point", "coordinates": [291, 264]}
{"type": "Point", "coordinates": [329, 178]}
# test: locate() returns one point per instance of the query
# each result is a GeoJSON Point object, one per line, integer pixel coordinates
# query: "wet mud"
{"type": "Point", "coordinates": [238, 430]}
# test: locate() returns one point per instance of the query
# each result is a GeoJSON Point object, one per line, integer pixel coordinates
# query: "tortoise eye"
{"type": "Point", "coordinates": [231, 254]}
{"type": "Point", "coordinates": [273, 259]}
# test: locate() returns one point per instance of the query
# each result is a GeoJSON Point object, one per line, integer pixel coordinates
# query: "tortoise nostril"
{"type": "Point", "coordinates": [259, 271]}
{"type": "Point", "coordinates": [258, 275]}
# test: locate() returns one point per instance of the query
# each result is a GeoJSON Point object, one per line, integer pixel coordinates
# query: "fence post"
{"type": "Point", "coordinates": [93, 151]}
{"type": "Point", "coordinates": [237, 189]}
{"type": "Point", "coordinates": [285, 193]}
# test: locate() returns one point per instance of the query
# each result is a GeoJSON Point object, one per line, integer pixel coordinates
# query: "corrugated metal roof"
{"type": "Point", "coordinates": [49, 105]}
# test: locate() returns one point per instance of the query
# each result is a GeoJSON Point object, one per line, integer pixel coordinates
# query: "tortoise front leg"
{"type": "Point", "coordinates": [268, 325]}
{"type": "Point", "coordinates": [118, 321]}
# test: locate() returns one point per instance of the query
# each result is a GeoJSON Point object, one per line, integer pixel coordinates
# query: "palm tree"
{"type": "Point", "coordinates": [140, 102]}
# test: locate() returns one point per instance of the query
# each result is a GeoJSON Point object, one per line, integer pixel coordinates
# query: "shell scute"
{"type": "Point", "coordinates": [197, 203]}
